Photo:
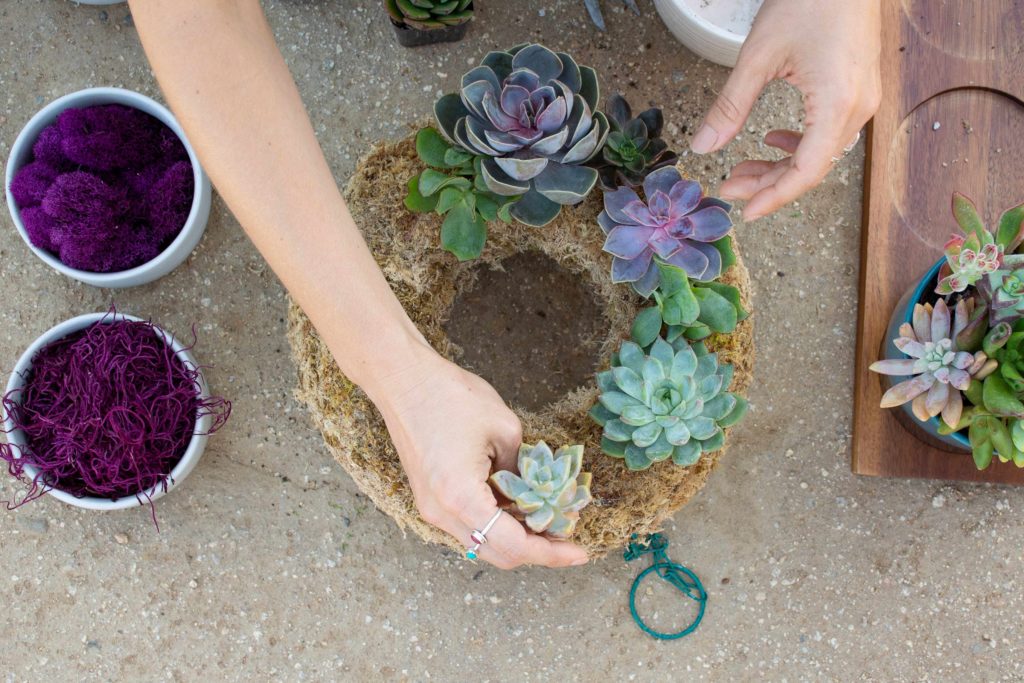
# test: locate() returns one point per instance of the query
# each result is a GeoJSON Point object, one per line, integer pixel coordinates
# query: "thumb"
{"type": "Point", "coordinates": [732, 107]}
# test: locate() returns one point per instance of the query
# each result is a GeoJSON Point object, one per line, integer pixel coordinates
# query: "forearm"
{"type": "Point", "coordinates": [220, 69]}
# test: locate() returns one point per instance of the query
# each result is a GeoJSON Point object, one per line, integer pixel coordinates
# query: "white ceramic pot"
{"type": "Point", "coordinates": [177, 251]}
{"type": "Point", "coordinates": [192, 453]}
{"type": "Point", "coordinates": [714, 29]}
{"type": "Point", "coordinates": [98, 2]}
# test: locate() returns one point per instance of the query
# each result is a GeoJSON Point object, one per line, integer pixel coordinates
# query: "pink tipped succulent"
{"type": "Point", "coordinates": [676, 223]}
{"type": "Point", "coordinates": [969, 260]}
{"type": "Point", "coordinates": [938, 370]}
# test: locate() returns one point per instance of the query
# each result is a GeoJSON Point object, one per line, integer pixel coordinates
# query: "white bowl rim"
{"type": "Point", "coordinates": [188, 458]}
{"type": "Point", "coordinates": [129, 98]}
{"type": "Point", "coordinates": [718, 31]}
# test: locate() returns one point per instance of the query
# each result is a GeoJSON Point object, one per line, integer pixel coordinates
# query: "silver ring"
{"type": "Point", "coordinates": [479, 536]}
{"type": "Point", "coordinates": [847, 149]}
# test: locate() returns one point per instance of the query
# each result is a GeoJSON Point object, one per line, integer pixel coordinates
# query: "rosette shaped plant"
{"type": "Point", "coordinates": [969, 261]}
{"type": "Point", "coordinates": [427, 15]}
{"type": "Point", "coordinates": [938, 370]}
{"type": "Point", "coordinates": [1004, 292]}
{"type": "Point", "coordinates": [676, 223]}
{"type": "Point", "coordinates": [669, 404]}
{"type": "Point", "coordinates": [549, 491]}
{"type": "Point", "coordinates": [532, 116]}
{"type": "Point", "coordinates": [634, 147]}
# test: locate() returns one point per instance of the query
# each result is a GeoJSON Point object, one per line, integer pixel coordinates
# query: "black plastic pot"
{"type": "Point", "coordinates": [414, 37]}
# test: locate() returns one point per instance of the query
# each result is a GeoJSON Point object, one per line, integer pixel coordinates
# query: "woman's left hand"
{"type": "Point", "coordinates": [830, 50]}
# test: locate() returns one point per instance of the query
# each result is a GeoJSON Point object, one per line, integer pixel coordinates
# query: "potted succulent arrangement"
{"type": "Point", "coordinates": [104, 187]}
{"type": "Point", "coordinates": [523, 142]}
{"type": "Point", "coordinates": [106, 411]}
{"type": "Point", "coordinates": [954, 357]}
{"type": "Point", "coordinates": [426, 22]}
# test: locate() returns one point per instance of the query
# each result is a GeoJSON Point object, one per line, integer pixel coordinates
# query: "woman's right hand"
{"type": "Point", "coordinates": [451, 430]}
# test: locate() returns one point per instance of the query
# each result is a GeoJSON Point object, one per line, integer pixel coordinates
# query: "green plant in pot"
{"type": "Point", "coordinates": [962, 364]}
{"type": "Point", "coordinates": [425, 22]}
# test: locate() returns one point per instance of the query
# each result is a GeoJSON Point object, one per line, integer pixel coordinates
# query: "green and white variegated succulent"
{"type": "Point", "coordinates": [531, 115]}
{"type": "Point", "coordinates": [672, 403]}
{"type": "Point", "coordinates": [549, 491]}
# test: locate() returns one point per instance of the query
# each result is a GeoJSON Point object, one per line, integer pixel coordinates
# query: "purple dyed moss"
{"type": "Point", "coordinates": [48, 149]}
{"type": "Point", "coordinates": [170, 199]}
{"type": "Point", "coordinates": [29, 185]}
{"type": "Point", "coordinates": [114, 186]}
{"type": "Point", "coordinates": [107, 412]}
{"type": "Point", "coordinates": [108, 137]}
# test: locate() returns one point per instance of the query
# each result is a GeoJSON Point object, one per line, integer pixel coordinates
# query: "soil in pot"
{"type": "Point", "coordinates": [532, 329]}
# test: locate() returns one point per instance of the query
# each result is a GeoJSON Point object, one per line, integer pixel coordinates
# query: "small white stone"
{"type": "Point", "coordinates": [938, 501]}
{"type": "Point", "coordinates": [936, 125]}
{"type": "Point", "coordinates": [121, 539]}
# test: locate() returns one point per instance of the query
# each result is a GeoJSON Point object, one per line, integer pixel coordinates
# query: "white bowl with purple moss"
{"type": "Point", "coordinates": [104, 187]}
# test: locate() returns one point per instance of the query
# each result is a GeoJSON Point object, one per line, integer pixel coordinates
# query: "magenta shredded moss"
{"type": "Point", "coordinates": [105, 412]}
{"type": "Point", "coordinates": [112, 185]}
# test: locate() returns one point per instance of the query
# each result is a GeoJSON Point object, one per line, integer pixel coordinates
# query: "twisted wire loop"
{"type": "Point", "coordinates": [682, 578]}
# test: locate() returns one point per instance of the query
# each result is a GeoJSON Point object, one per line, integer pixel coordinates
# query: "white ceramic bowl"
{"type": "Point", "coordinates": [98, 2]}
{"type": "Point", "coordinates": [192, 453]}
{"type": "Point", "coordinates": [714, 29]}
{"type": "Point", "coordinates": [177, 251]}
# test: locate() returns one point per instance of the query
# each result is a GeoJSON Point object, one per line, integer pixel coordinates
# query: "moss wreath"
{"type": "Point", "coordinates": [427, 281]}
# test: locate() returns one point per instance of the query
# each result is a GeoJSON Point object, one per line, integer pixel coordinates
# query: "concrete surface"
{"type": "Point", "coordinates": [270, 567]}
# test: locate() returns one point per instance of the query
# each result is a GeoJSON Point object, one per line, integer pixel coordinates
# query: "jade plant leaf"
{"type": "Point", "coordinates": [464, 232]}
{"type": "Point", "coordinates": [647, 326]}
{"type": "Point", "coordinates": [725, 249]}
{"type": "Point", "coordinates": [432, 148]}
{"type": "Point", "coordinates": [415, 201]}
{"type": "Point", "coordinates": [999, 399]}
{"type": "Point", "coordinates": [1010, 232]}
{"type": "Point", "coordinates": [716, 312]}
{"type": "Point", "coordinates": [967, 217]}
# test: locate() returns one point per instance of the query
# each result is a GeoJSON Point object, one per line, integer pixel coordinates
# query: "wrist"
{"type": "Point", "coordinates": [393, 367]}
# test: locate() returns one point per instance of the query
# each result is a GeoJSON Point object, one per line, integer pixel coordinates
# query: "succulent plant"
{"type": "Point", "coordinates": [671, 403]}
{"type": "Point", "coordinates": [939, 371]}
{"type": "Point", "coordinates": [427, 15]}
{"type": "Point", "coordinates": [1003, 290]}
{"type": "Point", "coordinates": [1006, 346]}
{"type": "Point", "coordinates": [549, 491]}
{"type": "Point", "coordinates": [532, 116]}
{"type": "Point", "coordinates": [969, 261]}
{"type": "Point", "coordinates": [676, 223]}
{"type": "Point", "coordinates": [634, 147]}
{"type": "Point", "coordinates": [689, 310]}
{"type": "Point", "coordinates": [594, 9]}
{"type": "Point", "coordinates": [452, 188]}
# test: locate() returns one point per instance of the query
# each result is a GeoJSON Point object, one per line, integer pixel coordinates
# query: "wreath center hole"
{"type": "Point", "coordinates": [533, 330]}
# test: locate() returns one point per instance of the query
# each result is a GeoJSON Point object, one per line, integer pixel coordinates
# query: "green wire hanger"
{"type": "Point", "coordinates": [676, 574]}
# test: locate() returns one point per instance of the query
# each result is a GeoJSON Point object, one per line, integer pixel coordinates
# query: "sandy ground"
{"type": "Point", "coordinates": [270, 566]}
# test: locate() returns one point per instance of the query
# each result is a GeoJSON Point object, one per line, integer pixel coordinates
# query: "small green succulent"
{"type": "Point", "coordinates": [452, 187]}
{"type": "Point", "coordinates": [693, 310]}
{"type": "Point", "coordinates": [671, 403]}
{"type": "Point", "coordinates": [549, 491]}
{"type": "Point", "coordinates": [427, 15]}
{"type": "Point", "coordinates": [1004, 293]}
{"type": "Point", "coordinates": [634, 147]}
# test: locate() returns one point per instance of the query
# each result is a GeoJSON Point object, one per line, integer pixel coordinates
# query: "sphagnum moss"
{"type": "Point", "coordinates": [426, 280]}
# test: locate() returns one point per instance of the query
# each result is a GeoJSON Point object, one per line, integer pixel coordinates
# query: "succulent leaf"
{"type": "Point", "coordinates": [549, 491]}
{"type": "Point", "coordinates": [634, 147]}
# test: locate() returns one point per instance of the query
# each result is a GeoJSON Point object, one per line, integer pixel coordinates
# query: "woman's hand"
{"type": "Point", "coordinates": [451, 429]}
{"type": "Point", "coordinates": [829, 49]}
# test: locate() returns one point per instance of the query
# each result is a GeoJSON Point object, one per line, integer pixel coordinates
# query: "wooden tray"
{"type": "Point", "coordinates": [951, 119]}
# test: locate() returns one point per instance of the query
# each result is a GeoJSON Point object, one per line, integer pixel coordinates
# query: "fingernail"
{"type": "Point", "coordinates": [582, 560]}
{"type": "Point", "coordinates": [705, 139]}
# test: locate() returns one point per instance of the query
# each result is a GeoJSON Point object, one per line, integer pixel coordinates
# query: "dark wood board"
{"type": "Point", "coordinates": [960, 64]}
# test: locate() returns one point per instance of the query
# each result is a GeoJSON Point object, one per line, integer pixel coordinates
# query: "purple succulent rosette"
{"type": "Point", "coordinates": [676, 224]}
{"type": "Point", "coordinates": [531, 115]}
